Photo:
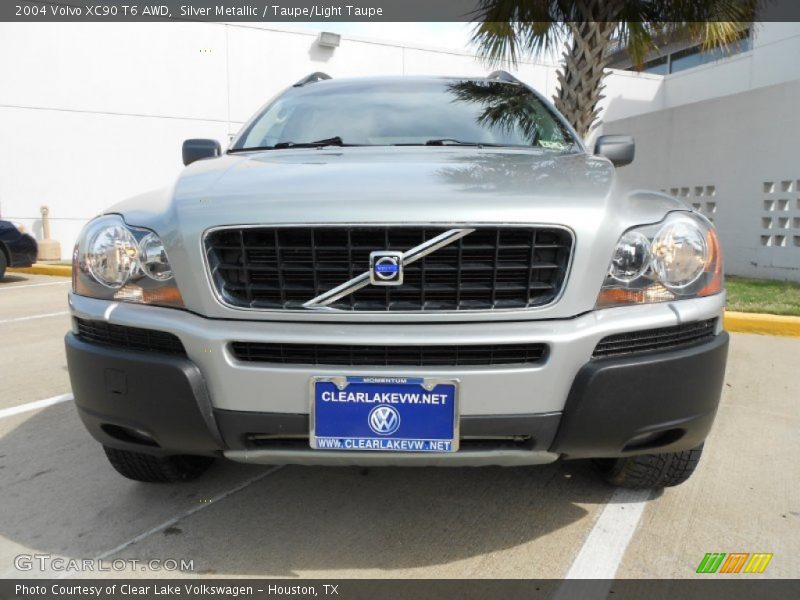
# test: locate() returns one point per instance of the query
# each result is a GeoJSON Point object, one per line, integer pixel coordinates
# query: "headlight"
{"type": "Point", "coordinates": [679, 254]}
{"type": "Point", "coordinates": [111, 255]}
{"type": "Point", "coordinates": [20, 227]}
{"type": "Point", "coordinates": [114, 261]}
{"type": "Point", "coordinates": [631, 257]}
{"type": "Point", "coordinates": [675, 259]}
{"type": "Point", "coordinates": [153, 258]}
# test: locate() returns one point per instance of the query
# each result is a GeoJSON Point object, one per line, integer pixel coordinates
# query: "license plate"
{"type": "Point", "coordinates": [392, 414]}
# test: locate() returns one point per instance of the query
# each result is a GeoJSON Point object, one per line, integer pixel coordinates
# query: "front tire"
{"type": "Point", "coordinates": [157, 469]}
{"type": "Point", "coordinates": [3, 263]}
{"type": "Point", "coordinates": [651, 471]}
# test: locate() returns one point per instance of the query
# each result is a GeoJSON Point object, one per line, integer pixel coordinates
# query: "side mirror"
{"type": "Point", "coordinates": [619, 149]}
{"type": "Point", "coordinates": [198, 149]}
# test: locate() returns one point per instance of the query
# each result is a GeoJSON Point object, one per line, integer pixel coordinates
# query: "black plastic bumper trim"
{"type": "Point", "coordinates": [161, 396]}
{"type": "Point", "coordinates": [664, 402]}
{"type": "Point", "coordinates": [238, 426]}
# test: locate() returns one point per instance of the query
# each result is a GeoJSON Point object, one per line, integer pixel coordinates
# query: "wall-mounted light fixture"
{"type": "Point", "coordinates": [328, 39]}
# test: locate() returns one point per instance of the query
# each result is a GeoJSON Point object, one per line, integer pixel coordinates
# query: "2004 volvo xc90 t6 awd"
{"type": "Point", "coordinates": [400, 271]}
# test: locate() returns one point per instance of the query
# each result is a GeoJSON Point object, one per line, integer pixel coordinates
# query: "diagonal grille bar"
{"type": "Point", "coordinates": [409, 257]}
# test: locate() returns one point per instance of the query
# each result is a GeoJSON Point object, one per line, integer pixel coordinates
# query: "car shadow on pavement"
{"type": "Point", "coordinates": [13, 278]}
{"type": "Point", "coordinates": [60, 496]}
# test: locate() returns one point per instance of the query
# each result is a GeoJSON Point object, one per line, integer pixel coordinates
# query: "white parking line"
{"type": "Point", "coordinates": [602, 552]}
{"type": "Point", "coordinates": [23, 408]}
{"type": "Point", "coordinates": [605, 546]}
{"type": "Point", "coordinates": [34, 317]}
{"type": "Point", "coordinates": [30, 285]}
{"type": "Point", "coordinates": [176, 519]}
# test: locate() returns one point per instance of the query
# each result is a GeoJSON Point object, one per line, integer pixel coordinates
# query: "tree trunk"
{"type": "Point", "coordinates": [580, 79]}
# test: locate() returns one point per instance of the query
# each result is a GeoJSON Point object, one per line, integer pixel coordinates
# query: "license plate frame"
{"type": "Point", "coordinates": [430, 445]}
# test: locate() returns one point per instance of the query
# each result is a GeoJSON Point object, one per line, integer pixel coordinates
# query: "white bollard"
{"type": "Point", "coordinates": [48, 249]}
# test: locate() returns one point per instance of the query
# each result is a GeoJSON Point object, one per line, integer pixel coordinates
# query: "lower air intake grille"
{"type": "Point", "coordinates": [389, 356]}
{"type": "Point", "coordinates": [650, 340]}
{"type": "Point", "coordinates": [133, 338]}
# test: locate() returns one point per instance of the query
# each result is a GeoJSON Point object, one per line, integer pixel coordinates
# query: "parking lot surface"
{"type": "Point", "coordinates": [60, 498]}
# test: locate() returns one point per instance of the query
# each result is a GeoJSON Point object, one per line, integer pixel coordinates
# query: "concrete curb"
{"type": "Point", "coordinates": [45, 269]}
{"type": "Point", "coordinates": [763, 324]}
{"type": "Point", "coordinates": [736, 322]}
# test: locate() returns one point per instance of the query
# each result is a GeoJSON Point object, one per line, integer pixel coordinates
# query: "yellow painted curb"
{"type": "Point", "coordinates": [764, 324]}
{"type": "Point", "coordinates": [43, 269]}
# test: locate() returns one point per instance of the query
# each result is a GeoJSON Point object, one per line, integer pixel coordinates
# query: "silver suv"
{"type": "Point", "coordinates": [400, 271]}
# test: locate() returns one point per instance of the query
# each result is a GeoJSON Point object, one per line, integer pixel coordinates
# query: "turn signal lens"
{"type": "Point", "coordinates": [713, 266]}
{"type": "Point", "coordinates": [163, 296]}
{"type": "Point", "coordinates": [618, 296]}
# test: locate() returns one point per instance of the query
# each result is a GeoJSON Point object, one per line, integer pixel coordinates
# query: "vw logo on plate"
{"type": "Point", "coordinates": [384, 420]}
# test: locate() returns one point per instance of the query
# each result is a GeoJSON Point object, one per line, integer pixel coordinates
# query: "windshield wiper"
{"type": "Point", "coordinates": [449, 142]}
{"type": "Point", "coordinates": [334, 141]}
{"type": "Point", "coordinates": [250, 149]}
{"type": "Point", "coordinates": [452, 142]}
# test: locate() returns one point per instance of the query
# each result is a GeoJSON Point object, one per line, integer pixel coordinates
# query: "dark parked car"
{"type": "Point", "coordinates": [17, 247]}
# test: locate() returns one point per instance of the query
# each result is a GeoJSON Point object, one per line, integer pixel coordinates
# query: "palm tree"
{"type": "Point", "coordinates": [591, 28]}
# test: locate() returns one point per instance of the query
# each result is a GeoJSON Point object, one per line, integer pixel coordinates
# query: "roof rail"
{"type": "Point", "coordinates": [313, 78]}
{"type": "Point", "coordinates": [503, 76]}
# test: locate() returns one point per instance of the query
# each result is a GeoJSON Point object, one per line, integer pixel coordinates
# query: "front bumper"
{"type": "Point", "coordinates": [499, 390]}
{"type": "Point", "coordinates": [572, 405]}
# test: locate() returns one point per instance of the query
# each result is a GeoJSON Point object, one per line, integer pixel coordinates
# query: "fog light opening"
{"type": "Point", "coordinates": [653, 439]}
{"type": "Point", "coordinates": [130, 435]}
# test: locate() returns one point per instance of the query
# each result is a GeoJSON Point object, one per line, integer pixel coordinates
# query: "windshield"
{"type": "Point", "coordinates": [384, 113]}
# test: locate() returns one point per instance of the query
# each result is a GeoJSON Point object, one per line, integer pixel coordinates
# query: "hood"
{"type": "Point", "coordinates": [391, 184]}
{"type": "Point", "coordinates": [394, 185]}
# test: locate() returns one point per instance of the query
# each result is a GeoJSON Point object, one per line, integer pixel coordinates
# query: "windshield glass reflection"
{"type": "Point", "coordinates": [407, 112]}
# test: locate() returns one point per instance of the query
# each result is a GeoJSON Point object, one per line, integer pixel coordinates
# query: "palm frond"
{"type": "Point", "coordinates": [507, 29]}
{"type": "Point", "coordinates": [714, 23]}
{"type": "Point", "coordinates": [638, 39]}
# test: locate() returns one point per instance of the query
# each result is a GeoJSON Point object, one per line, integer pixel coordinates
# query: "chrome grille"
{"type": "Point", "coordinates": [280, 268]}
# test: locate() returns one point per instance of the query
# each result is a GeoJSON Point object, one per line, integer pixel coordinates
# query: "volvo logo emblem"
{"type": "Point", "coordinates": [384, 419]}
{"type": "Point", "coordinates": [386, 267]}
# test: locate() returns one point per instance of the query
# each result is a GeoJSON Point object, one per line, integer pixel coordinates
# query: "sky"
{"type": "Point", "coordinates": [444, 35]}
